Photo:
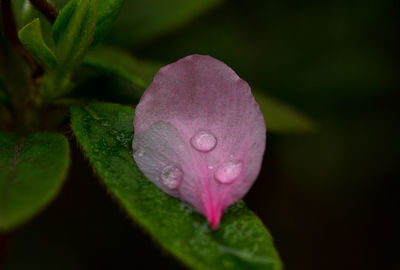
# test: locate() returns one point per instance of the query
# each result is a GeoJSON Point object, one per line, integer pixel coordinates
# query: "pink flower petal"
{"type": "Point", "coordinates": [199, 134]}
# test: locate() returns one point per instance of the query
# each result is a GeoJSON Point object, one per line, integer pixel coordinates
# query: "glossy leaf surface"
{"type": "Point", "coordinates": [105, 133]}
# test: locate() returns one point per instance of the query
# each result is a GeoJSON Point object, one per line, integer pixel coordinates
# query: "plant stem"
{"type": "Point", "coordinates": [11, 34]}
{"type": "Point", "coordinates": [47, 9]}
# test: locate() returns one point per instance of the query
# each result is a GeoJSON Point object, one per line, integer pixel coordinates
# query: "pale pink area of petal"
{"type": "Point", "coordinates": [200, 96]}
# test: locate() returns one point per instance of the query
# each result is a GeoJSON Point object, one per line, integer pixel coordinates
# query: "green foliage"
{"type": "Point", "coordinates": [148, 19]}
{"type": "Point", "coordinates": [81, 24]}
{"type": "Point", "coordinates": [30, 13]}
{"type": "Point", "coordinates": [107, 13]}
{"type": "Point", "coordinates": [121, 64]}
{"type": "Point", "coordinates": [279, 117]}
{"type": "Point", "coordinates": [105, 133]}
{"type": "Point", "coordinates": [73, 31]}
{"type": "Point", "coordinates": [32, 170]}
{"type": "Point", "coordinates": [32, 38]}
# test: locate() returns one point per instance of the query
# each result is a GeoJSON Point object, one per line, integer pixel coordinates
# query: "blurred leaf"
{"type": "Point", "coordinates": [264, 38]}
{"type": "Point", "coordinates": [142, 20]}
{"type": "Point", "coordinates": [73, 31]}
{"type": "Point", "coordinates": [280, 117]}
{"type": "Point", "coordinates": [32, 170]}
{"type": "Point", "coordinates": [107, 13]}
{"type": "Point", "coordinates": [105, 133]}
{"type": "Point", "coordinates": [32, 38]}
{"type": "Point", "coordinates": [122, 64]}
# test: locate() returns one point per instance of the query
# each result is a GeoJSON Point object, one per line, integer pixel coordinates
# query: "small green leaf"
{"type": "Point", "coordinates": [72, 34]}
{"type": "Point", "coordinates": [32, 38]}
{"type": "Point", "coordinates": [107, 13]}
{"type": "Point", "coordinates": [32, 170]}
{"type": "Point", "coordinates": [105, 133]}
{"type": "Point", "coordinates": [29, 13]}
{"type": "Point", "coordinates": [142, 20]}
{"type": "Point", "coordinates": [73, 31]}
{"type": "Point", "coordinates": [282, 118]}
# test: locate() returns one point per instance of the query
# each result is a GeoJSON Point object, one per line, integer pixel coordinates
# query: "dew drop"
{"type": "Point", "coordinates": [171, 176]}
{"type": "Point", "coordinates": [229, 171]}
{"type": "Point", "coordinates": [203, 141]}
{"type": "Point", "coordinates": [138, 153]}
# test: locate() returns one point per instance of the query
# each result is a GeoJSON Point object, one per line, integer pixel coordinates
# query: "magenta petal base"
{"type": "Point", "coordinates": [199, 134]}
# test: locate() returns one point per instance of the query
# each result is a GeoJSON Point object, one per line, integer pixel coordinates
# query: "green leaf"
{"type": "Point", "coordinates": [242, 242]}
{"type": "Point", "coordinates": [107, 13]}
{"type": "Point", "coordinates": [30, 13]}
{"type": "Point", "coordinates": [32, 38]}
{"type": "Point", "coordinates": [281, 117]}
{"type": "Point", "coordinates": [142, 20]}
{"type": "Point", "coordinates": [73, 31]}
{"type": "Point", "coordinates": [123, 65]}
{"type": "Point", "coordinates": [32, 170]}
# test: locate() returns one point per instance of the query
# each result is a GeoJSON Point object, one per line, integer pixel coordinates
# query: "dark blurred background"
{"type": "Point", "coordinates": [330, 198]}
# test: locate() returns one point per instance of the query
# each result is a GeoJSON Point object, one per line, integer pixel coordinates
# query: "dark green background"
{"type": "Point", "coordinates": [330, 199]}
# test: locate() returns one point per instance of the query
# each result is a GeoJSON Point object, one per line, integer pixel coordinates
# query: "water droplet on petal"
{"type": "Point", "coordinates": [171, 176]}
{"type": "Point", "coordinates": [229, 171]}
{"type": "Point", "coordinates": [203, 141]}
{"type": "Point", "coordinates": [139, 153]}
